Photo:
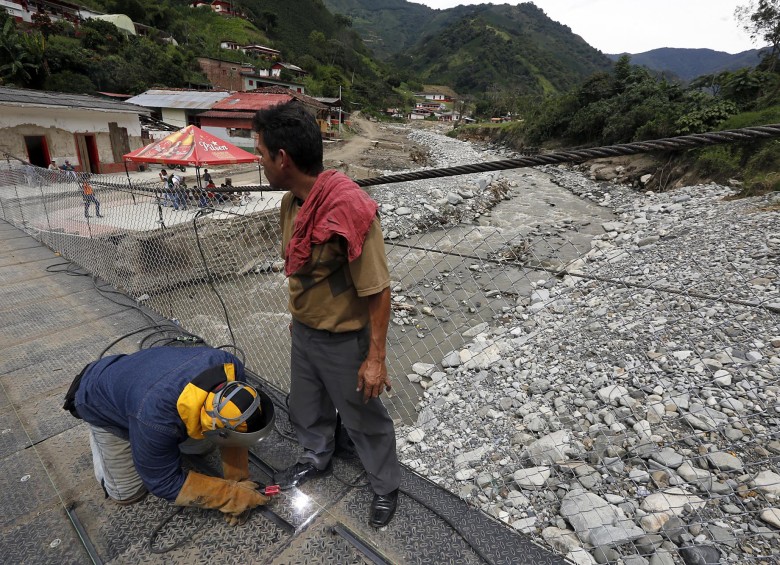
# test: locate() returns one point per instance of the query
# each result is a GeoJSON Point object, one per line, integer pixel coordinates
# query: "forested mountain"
{"type": "Point", "coordinates": [475, 48]}
{"type": "Point", "coordinates": [687, 64]}
{"type": "Point", "coordinates": [503, 46]}
{"type": "Point", "coordinates": [388, 26]}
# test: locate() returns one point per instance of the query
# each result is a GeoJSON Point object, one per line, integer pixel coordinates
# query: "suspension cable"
{"type": "Point", "coordinates": [654, 145]}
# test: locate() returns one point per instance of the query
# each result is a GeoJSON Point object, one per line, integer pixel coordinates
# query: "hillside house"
{"type": "Point", "coordinates": [221, 7]}
{"type": "Point", "coordinates": [431, 96]}
{"type": "Point", "coordinates": [277, 68]}
{"type": "Point", "coordinates": [225, 75]}
{"type": "Point", "coordinates": [437, 93]}
{"type": "Point", "coordinates": [23, 10]}
{"type": "Point", "coordinates": [92, 133]}
{"type": "Point", "coordinates": [262, 51]}
{"type": "Point", "coordinates": [230, 45]}
{"type": "Point", "coordinates": [335, 112]}
{"type": "Point", "coordinates": [419, 114]}
{"type": "Point", "coordinates": [430, 106]}
{"type": "Point", "coordinates": [231, 118]}
{"type": "Point", "coordinates": [178, 107]}
{"type": "Point", "coordinates": [262, 79]}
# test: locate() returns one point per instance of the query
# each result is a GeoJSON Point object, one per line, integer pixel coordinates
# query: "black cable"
{"type": "Point", "coordinates": [579, 155]}
{"type": "Point", "coordinates": [68, 270]}
{"type": "Point", "coordinates": [236, 348]}
{"type": "Point", "coordinates": [208, 274]}
{"type": "Point", "coordinates": [163, 341]}
{"type": "Point", "coordinates": [120, 338]}
{"type": "Point", "coordinates": [150, 336]}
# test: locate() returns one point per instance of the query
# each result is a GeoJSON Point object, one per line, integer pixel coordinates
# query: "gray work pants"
{"type": "Point", "coordinates": [323, 370]}
{"type": "Point", "coordinates": [112, 460]}
{"type": "Point", "coordinates": [113, 463]}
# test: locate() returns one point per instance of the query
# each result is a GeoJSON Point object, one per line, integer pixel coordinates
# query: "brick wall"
{"type": "Point", "coordinates": [222, 74]}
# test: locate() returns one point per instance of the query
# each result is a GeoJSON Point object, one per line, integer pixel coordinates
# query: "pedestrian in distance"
{"type": "Point", "coordinates": [53, 165]}
{"type": "Point", "coordinates": [167, 192]}
{"type": "Point", "coordinates": [206, 176]}
{"type": "Point", "coordinates": [70, 171]}
{"type": "Point", "coordinates": [147, 408]}
{"type": "Point", "coordinates": [88, 194]}
{"type": "Point", "coordinates": [179, 192]}
{"type": "Point", "coordinates": [339, 298]}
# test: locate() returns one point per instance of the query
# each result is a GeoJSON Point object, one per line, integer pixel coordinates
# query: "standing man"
{"type": "Point", "coordinates": [340, 304]}
{"type": "Point", "coordinates": [144, 409]}
{"type": "Point", "coordinates": [179, 194]}
{"type": "Point", "coordinates": [88, 194]}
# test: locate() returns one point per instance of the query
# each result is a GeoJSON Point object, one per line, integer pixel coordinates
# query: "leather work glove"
{"type": "Point", "coordinates": [229, 497]}
{"type": "Point", "coordinates": [235, 463]}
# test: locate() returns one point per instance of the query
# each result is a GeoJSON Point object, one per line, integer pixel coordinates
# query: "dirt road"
{"type": "Point", "coordinates": [365, 150]}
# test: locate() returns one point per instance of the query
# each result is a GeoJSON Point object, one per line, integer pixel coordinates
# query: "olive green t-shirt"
{"type": "Point", "coordinates": [328, 292]}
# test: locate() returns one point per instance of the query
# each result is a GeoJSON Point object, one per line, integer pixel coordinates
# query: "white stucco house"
{"type": "Point", "coordinates": [92, 133]}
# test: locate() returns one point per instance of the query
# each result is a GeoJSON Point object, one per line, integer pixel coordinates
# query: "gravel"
{"type": "Point", "coordinates": [627, 407]}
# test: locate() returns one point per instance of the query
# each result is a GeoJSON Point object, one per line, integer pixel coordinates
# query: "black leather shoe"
{"type": "Point", "coordinates": [298, 474]}
{"type": "Point", "coordinates": [383, 508]}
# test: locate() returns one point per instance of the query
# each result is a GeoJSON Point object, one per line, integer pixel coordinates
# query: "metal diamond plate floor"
{"type": "Point", "coordinates": [51, 325]}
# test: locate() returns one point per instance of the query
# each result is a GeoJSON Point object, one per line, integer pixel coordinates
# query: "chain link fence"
{"type": "Point", "coordinates": [597, 368]}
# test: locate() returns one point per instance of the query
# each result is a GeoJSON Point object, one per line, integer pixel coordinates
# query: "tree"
{"type": "Point", "coordinates": [103, 37]}
{"type": "Point", "coordinates": [43, 23]}
{"type": "Point", "coordinates": [268, 20]}
{"type": "Point", "coordinates": [133, 9]}
{"type": "Point", "coordinates": [761, 19]}
{"type": "Point", "coordinates": [342, 20]}
{"type": "Point", "coordinates": [21, 56]}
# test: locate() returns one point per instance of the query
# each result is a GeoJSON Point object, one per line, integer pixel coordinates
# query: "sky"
{"type": "Point", "coordinates": [636, 26]}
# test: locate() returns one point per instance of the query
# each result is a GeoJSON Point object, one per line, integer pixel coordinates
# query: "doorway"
{"type": "Point", "coordinates": [37, 150]}
{"type": "Point", "coordinates": [86, 146]}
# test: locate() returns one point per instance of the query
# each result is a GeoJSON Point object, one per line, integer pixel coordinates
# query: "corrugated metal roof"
{"type": "Point", "coordinates": [232, 115]}
{"type": "Point", "coordinates": [183, 99]}
{"type": "Point", "coordinates": [263, 98]}
{"type": "Point", "coordinates": [251, 101]}
{"type": "Point", "coordinates": [291, 67]}
{"type": "Point", "coordinates": [26, 97]}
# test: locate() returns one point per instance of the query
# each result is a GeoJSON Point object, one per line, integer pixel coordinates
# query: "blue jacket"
{"type": "Point", "coordinates": [135, 397]}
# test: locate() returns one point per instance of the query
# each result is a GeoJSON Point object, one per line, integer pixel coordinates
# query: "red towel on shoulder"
{"type": "Point", "coordinates": [335, 206]}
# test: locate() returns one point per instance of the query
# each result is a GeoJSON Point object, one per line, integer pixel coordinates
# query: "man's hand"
{"type": "Point", "coordinates": [372, 378]}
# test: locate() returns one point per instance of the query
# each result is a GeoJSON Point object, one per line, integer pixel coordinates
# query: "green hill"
{"type": "Point", "coordinates": [689, 64]}
{"type": "Point", "coordinates": [387, 27]}
{"type": "Point", "coordinates": [481, 48]}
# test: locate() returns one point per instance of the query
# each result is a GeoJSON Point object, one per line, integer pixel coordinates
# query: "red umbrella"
{"type": "Point", "coordinates": [191, 146]}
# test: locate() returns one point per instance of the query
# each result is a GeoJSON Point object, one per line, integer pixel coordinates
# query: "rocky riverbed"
{"type": "Point", "coordinates": [626, 410]}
